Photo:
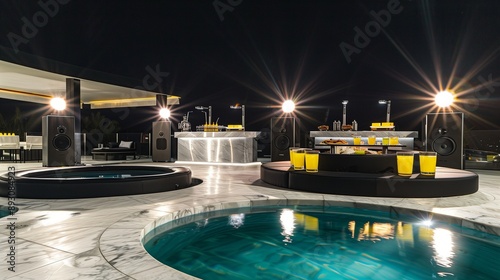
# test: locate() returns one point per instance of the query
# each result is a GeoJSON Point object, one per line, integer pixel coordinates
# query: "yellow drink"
{"type": "Point", "coordinates": [428, 163]}
{"type": "Point", "coordinates": [393, 140]}
{"type": "Point", "coordinates": [372, 139]}
{"type": "Point", "coordinates": [357, 140]}
{"type": "Point", "coordinates": [298, 159]}
{"type": "Point", "coordinates": [291, 156]}
{"type": "Point", "coordinates": [385, 141]}
{"type": "Point", "coordinates": [312, 161]}
{"type": "Point", "coordinates": [405, 163]}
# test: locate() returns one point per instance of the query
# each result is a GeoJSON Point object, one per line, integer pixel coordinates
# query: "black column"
{"type": "Point", "coordinates": [161, 100]}
{"type": "Point", "coordinates": [73, 109]}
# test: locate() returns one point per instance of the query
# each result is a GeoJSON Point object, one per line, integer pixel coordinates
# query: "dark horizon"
{"type": "Point", "coordinates": [259, 53]}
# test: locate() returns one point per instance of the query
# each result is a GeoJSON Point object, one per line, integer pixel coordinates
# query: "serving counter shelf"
{"type": "Point", "coordinates": [406, 138]}
{"type": "Point", "coordinates": [385, 148]}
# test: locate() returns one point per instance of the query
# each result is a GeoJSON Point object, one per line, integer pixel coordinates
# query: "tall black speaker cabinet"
{"type": "Point", "coordinates": [58, 140]}
{"type": "Point", "coordinates": [444, 133]}
{"type": "Point", "coordinates": [160, 138]}
{"type": "Point", "coordinates": [282, 138]}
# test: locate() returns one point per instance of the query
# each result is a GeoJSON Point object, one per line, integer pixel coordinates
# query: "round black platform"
{"type": "Point", "coordinates": [93, 181]}
{"type": "Point", "coordinates": [447, 182]}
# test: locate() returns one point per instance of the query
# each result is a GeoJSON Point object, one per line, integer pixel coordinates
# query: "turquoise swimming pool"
{"type": "Point", "coordinates": [332, 243]}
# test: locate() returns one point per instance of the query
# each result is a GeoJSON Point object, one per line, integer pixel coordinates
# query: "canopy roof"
{"type": "Point", "coordinates": [23, 83]}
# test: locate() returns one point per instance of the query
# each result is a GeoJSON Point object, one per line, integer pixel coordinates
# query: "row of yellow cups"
{"type": "Point", "coordinates": [427, 160]}
{"type": "Point", "coordinates": [302, 158]}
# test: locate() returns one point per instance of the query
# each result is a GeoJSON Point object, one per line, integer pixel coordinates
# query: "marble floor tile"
{"type": "Point", "coordinates": [79, 267]}
{"type": "Point", "coordinates": [28, 256]}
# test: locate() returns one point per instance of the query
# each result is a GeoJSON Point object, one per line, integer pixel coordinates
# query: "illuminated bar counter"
{"type": "Point", "coordinates": [217, 147]}
{"type": "Point", "coordinates": [406, 138]}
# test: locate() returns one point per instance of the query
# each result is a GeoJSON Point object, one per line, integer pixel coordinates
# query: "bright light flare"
{"type": "Point", "coordinates": [444, 99]}
{"type": "Point", "coordinates": [288, 106]}
{"type": "Point", "coordinates": [58, 103]}
{"type": "Point", "coordinates": [165, 113]}
{"type": "Point", "coordinates": [426, 223]}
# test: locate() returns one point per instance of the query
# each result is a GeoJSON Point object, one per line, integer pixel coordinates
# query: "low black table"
{"type": "Point", "coordinates": [112, 153]}
{"type": "Point", "coordinates": [447, 182]}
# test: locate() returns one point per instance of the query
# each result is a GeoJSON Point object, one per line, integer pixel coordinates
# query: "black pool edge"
{"type": "Point", "coordinates": [448, 182]}
{"type": "Point", "coordinates": [174, 178]}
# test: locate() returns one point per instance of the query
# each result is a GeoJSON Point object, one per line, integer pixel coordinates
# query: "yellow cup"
{"type": "Point", "coordinates": [292, 150]}
{"type": "Point", "coordinates": [372, 139]}
{"type": "Point", "coordinates": [394, 140]}
{"type": "Point", "coordinates": [405, 163]}
{"type": "Point", "coordinates": [312, 160]}
{"type": "Point", "coordinates": [298, 159]}
{"type": "Point", "coordinates": [356, 140]}
{"type": "Point", "coordinates": [428, 163]}
{"type": "Point", "coordinates": [385, 141]}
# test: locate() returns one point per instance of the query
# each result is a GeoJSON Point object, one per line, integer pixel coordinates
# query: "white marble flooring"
{"type": "Point", "coordinates": [100, 238]}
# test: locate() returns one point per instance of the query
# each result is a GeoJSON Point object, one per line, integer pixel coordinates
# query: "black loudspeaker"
{"type": "Point", "coordinates": [58, 140]}
{"type": "Point", "coordinates": [161, 141]}
{"type": "Point", "coordinates": [444, 134]}
{"type": "Point", "coordinates": [282, 138]}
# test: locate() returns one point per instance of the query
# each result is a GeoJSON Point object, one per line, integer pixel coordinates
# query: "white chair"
{"type": "Point", "coordinates": [34, 146]}
{"type": "Point", "coordinates": [9, 145]}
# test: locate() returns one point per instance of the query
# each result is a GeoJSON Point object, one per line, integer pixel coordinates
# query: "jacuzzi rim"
{"type": "Point", "coordinates": [173, 178]}
{"type": "Point", "coordinates": [21, 176]}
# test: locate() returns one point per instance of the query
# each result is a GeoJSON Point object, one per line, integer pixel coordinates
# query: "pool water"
{"type": "Point", "coordinates": [4, 213]}
{"type": "Point", "coordinates": [332, 244]}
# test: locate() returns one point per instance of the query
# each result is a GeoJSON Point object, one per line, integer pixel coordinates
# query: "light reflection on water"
{"type": "Point", "coordinates": [442, 244]}
{"type": "Point", "coordinates": [287, 221]}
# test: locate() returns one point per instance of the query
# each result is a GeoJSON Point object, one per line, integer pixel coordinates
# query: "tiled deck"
{"type": "Point", "coordinates": [99, 238]}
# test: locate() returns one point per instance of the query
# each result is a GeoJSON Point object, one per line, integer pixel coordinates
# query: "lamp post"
{"type": "Point", "coordinates": [242, 107]}
{"type": "Point", "coordinates": [388, 102]}
{"type": "Point", "coordinates": [344, 111]}
{"type": "Point", "coordinates": [202, 108]}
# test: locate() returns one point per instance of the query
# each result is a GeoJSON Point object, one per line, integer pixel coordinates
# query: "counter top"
{"type": "Point", "coordinates": [412, 134]}
{"type": "Point", "coordinates": [202, 134]}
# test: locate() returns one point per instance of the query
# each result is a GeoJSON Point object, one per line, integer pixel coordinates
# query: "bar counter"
{"type": "Point", "coordinates": [217, 147]}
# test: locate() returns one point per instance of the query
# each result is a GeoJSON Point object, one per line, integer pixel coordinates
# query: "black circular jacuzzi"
{"type": "Point", "coordinates": [93, 181]}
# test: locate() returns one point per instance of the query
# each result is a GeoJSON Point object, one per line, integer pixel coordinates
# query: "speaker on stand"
{"type": "Point", "coordinates": [58, 140]}
{"type": "Point", "coordinates": [444, 134]}
{"type": "Point", "coordinates": [161, 140]}
{"type": "Point", "coordinates": [282, 138]}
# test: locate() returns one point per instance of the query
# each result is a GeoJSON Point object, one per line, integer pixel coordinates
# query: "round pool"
{"type": "Point", "coordinates": [94, 181]}
{"type": "Point", "coordinates": [327, 243]}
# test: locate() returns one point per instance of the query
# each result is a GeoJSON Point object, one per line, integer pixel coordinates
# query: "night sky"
{"type": "Point", "coordinates": [259, 53]}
